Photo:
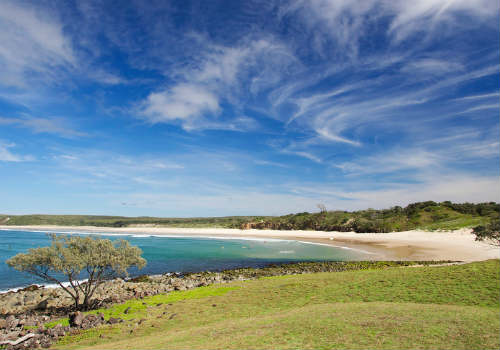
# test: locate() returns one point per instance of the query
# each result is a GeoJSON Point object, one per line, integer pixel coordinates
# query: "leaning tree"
{"type": "Point", "coordinates": [76, 257]}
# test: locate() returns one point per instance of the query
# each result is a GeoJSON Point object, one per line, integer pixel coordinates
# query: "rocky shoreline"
{"type": "Point", "coordinates": [25, 313]}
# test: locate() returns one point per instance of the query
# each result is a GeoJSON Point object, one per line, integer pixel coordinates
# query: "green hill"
{"type": "Point", "coordinates": [447, 307]}
{"type": "Point", "coordinates": [423, 215]}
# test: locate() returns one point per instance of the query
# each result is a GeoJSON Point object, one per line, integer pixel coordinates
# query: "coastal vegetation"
{"type": "Point", "coordinates": [490, 231]}
{"type": "Point", "coordinates": [445, 307]}
{"type": "Point", "coordinates": [72, 258]}
{"type": "Point", "coordinates": [122, 221]}
{"type": "Point", "coordinates": [422, 215]}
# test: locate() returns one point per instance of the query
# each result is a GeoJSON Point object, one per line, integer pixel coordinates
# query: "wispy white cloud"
{"type": "Point", "coordinates": [347, 22]}
{"type": "Point", "coordinates": [219, 76]}
{"type": "Point", "coordinates": [58, 126]}
{"type": "Point", "coordinates": [432, 66]}
{"type": "Point", "coordinates": [32, 42]}
{"type": "Point", "coordinates": [425, 15]}
{"type": "Point", "coordinates": [393, 161]}
{"type": "Point", "coordinates": [481, 107]}
{"type": "Point", "coordinates": [481, 96]}
{"type": "Point", "coordinates": [7, 156]}
{"type": "Point", "coordinates": [270, 163]}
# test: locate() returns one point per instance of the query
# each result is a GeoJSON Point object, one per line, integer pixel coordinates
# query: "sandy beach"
{"type": "Point", "coordinates": [408, 245]}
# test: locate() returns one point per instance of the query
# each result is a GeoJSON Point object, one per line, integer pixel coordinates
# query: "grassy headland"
{"type": "Point", "coordinates": [423, 215]}
{"type": "Point", "coordinates": [447, 307]}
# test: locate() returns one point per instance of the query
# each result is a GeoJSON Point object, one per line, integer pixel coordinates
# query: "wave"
{"type": "Point", "coordinates": [47, 286]}
{"type": "Point", "coordinates": [191, 236]}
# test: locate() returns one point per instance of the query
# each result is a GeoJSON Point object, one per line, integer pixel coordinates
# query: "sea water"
{"type": "Point", "coordinates": [177, 254]}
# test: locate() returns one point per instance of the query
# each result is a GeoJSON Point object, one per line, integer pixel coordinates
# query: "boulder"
{"type": "Point", "coordinates": [43, 304]}
{"type": "Point", "coordinates": [76, 319]}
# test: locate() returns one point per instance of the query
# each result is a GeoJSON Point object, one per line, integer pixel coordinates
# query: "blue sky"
{"type": "Point", "coordinates": [213, 108]}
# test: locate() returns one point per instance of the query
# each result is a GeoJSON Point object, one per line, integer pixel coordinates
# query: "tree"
{"type": "Point", "coordinates": [489, 231]}
{"type": "Point", "coordinates": [75, 257]}
{"type": "Point", "coordinates": [321, 207]}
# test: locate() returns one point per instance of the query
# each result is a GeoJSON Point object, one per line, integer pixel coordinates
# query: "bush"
{"type": "Point", "coordinates": [490, 231]}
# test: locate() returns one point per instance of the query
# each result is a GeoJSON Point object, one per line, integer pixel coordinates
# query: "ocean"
{"type": "Point", "coordinates": [178, 254]}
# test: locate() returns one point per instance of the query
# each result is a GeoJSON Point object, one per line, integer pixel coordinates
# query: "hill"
{"type": "Point", "coordinates": [447, 307]}
{"type": "Point", "coordinates": [422, 215]}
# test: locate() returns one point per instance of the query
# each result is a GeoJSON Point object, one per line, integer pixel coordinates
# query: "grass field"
{"type": "Point", "coordinates": [448, 307]}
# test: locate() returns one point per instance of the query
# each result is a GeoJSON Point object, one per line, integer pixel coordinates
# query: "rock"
{"type": "Point", "coordinates": [31, 288]}
{"type": "Point", "coordinates": [75, 319]}
{"type": "Point", "coordinates": [127, 310]}
{"type": "Point", "coordinates": [3, 323]}
{"type": "Point", "coordinates": [12, 322]}
{"type": "Point", "coordinates": [43, 304]}
{"type": "Point", "coordinates": [113, 320]}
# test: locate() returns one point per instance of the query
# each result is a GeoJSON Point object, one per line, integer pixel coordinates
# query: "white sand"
{"type": "Point", "coordinates": [408, 245]}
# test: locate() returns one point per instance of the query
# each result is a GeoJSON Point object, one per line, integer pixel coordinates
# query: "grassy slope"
{"type": "Point", "coordinates": [450, 307]}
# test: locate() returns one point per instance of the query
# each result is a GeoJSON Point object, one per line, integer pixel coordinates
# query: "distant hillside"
{"type": "Point", "coordinates": [423, 215]}
{"type": "Point", "coordinates": [123, 221]}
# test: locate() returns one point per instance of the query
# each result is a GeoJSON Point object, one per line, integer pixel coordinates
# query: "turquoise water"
{"type": "Point", "coordinates": [178, 254]}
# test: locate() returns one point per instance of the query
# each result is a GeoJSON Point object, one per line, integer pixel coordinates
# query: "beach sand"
{"type": "Point", "coordinates": [409, 245]}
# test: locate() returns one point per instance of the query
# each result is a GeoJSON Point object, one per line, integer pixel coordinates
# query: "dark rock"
{"type": "Point", "coordinates": [142, 278]}
{"type": "Point", "coordinates": [31, 288]}
{"type": "Point", "coordinates": [43, 304]}
{"type": "Point", "coordinates": [127, 310]}
{"type": "Point", "coordinates": [76, 319]}
{"type": "Point", "coordinates": [113, 320]}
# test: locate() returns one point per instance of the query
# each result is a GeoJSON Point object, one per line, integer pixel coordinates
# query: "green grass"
{"type": "Point", "coordinates": [139, 308]}
{"type": "Point", "coordinates": [448, 307]}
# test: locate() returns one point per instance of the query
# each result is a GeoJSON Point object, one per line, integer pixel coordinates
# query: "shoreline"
{"type": "Point", "coordinates": [458, 245]}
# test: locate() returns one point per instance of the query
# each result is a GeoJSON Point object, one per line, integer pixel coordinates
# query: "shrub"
{"type": "Point", "coordinates": [100, 259]}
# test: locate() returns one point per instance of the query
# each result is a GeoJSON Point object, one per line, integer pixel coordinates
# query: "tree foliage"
{"type": "Point", "coordinates": [490, 231]}
{"type": "Point", "coordinates": [421, 215]}
{"type": "Point", "coordinates": [76, 257]}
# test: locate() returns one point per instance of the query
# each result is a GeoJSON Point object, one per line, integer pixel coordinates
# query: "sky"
{"type": "Point", "coordinates": [215, 108]}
